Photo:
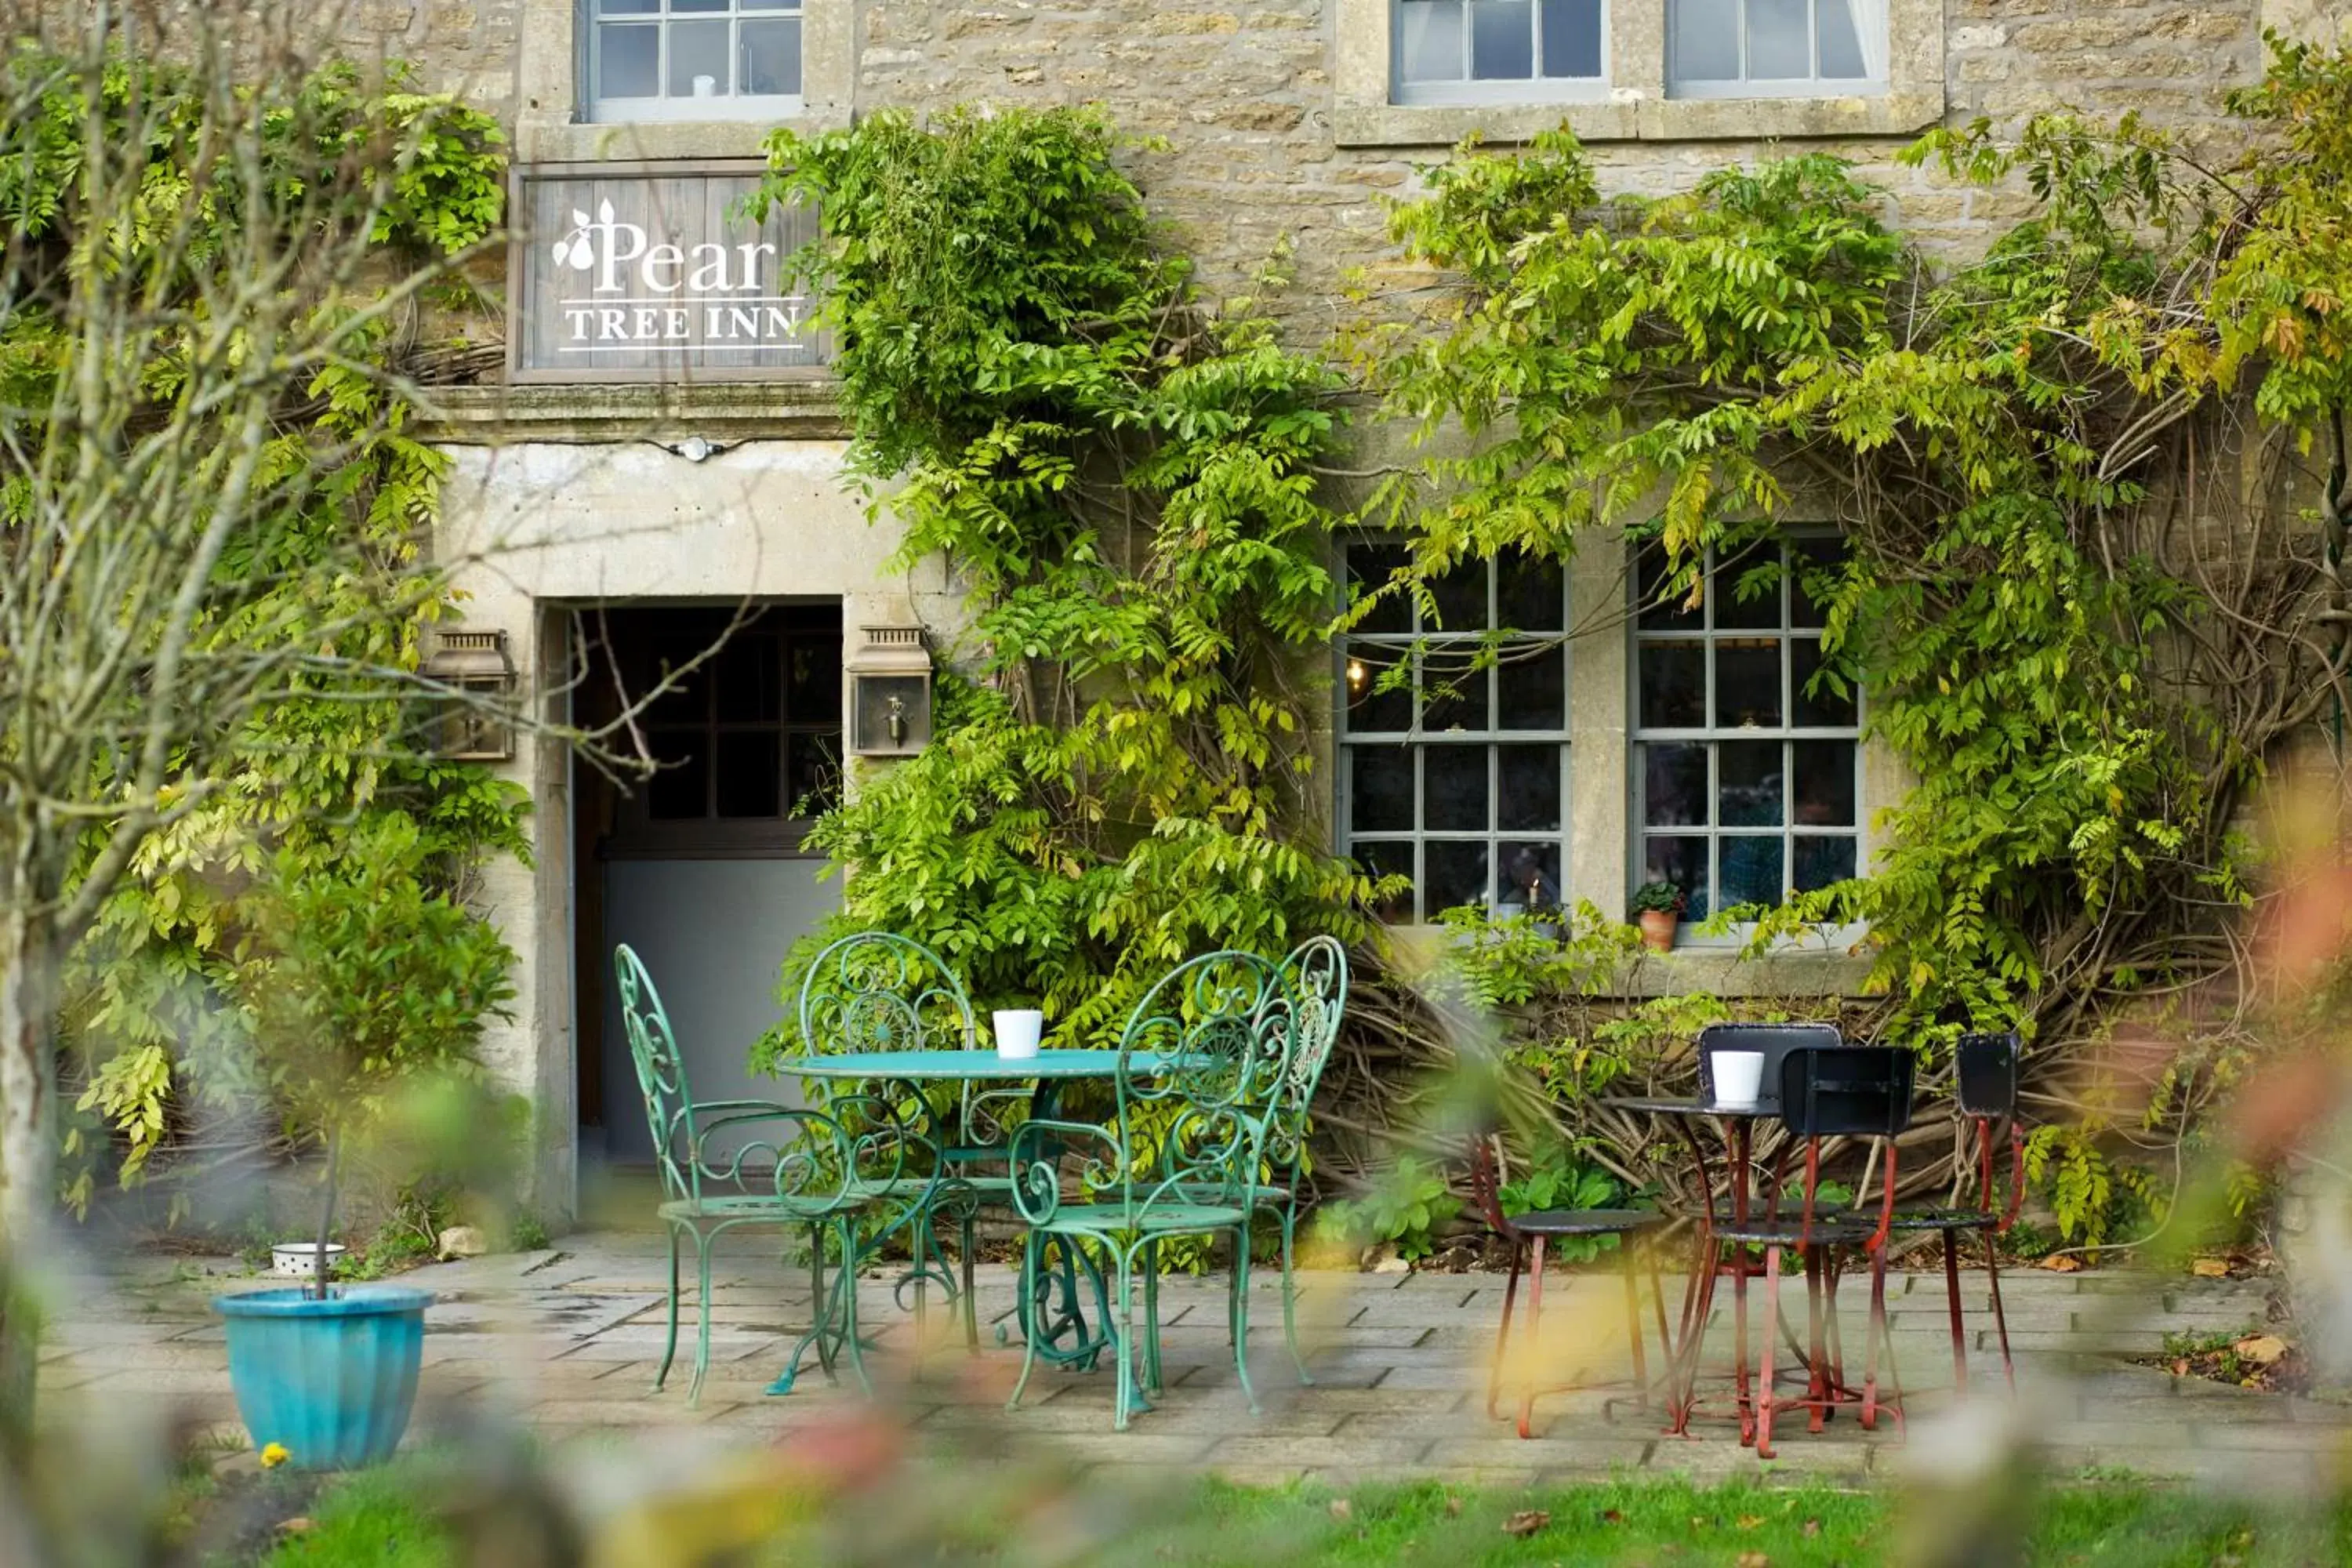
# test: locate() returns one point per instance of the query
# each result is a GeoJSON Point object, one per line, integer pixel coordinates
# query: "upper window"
{"type": "Point", "coordinates": [1498, 51]}
{"type": "Point", "coordinates": [1775, 49]}
{"type": "Point", "coordinates": [693, 59]}
{"type": "Point", "coordinates": [1457, 778]}
{"type": "Point", "coordinates": [1746, 771]}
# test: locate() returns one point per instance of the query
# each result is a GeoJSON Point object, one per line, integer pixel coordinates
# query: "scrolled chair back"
{"type": "Point", "coordinates": [816, 1160]}
{"type": "Point", "coordinates": [878, 991]}
{"type": "Point", "coordinates": [1205, 1061]}
{"type": "Point", "coordinates": [661, 1074]}
{"type": "Point", "coordinates": [1315, 977]}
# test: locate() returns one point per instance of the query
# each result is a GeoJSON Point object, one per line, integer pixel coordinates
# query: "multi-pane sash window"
{"type": "Point", "coordinates": [1775, 49]}
{"type": "Point", "coordinates": [1459, 778]}
{"type": "Point", "coordinates": [693, 59]}
{"type": "Point", "coordinates": [1747, 774]}
{"type": "Point", "coordinates": [1496, 51]}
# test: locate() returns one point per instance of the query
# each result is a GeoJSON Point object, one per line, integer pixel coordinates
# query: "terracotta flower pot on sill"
{"type": "Point", "coordinates": [1658, 929]}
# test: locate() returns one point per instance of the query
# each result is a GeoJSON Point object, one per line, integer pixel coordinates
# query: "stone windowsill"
{"type": "Point", "coordinates": [545, 140]}
{"type": "Point", "coordinates": [1899, 113]}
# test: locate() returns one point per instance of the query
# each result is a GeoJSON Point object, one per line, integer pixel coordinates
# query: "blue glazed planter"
{"type": "Point", "coordinates": [333, 1381]}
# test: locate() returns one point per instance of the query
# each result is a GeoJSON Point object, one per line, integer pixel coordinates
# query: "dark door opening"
{"type": "Point", "coordinates": [703, 867]}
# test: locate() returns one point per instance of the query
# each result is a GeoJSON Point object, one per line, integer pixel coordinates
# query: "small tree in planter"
{"type": "Point", "coordinates": [366, 990]}
{"type": "Point", "coordinates": [1658, 909]}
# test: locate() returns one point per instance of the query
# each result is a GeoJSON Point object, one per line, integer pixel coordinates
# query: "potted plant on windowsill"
{"type": "Point", "coordinates": [365, 991]}
{"type": "Point", "coordinates": [1658, 909]}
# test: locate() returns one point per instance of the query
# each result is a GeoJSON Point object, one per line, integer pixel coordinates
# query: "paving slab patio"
{"type": "Point", "coordinates": [566, 1339]}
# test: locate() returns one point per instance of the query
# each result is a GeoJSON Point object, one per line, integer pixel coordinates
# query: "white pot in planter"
{"type": "Point", "coordinates": [299, 1259]}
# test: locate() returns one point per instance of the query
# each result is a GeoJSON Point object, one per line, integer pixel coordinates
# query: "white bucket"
{"type": "Point", "coordinates": [1738, 1077]}
{"type": "Point", "coordinates": [1018, 1030]}
{"type": "Point", "coordinates": [299, 1259]}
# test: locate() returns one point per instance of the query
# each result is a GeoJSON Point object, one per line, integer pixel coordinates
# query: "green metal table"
{"type": "Point", "coordinates": [1060, 1330]}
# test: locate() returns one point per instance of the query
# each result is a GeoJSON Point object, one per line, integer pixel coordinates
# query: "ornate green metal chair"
{"type": "Point", "coordinates": [1315, 975]}
{"type": "Point", "coordinates": [878, 991]}
{"type": "Point", "coordinates": [1203, 1060]}
{"type": "Point", "coordinates": [731, 1164]}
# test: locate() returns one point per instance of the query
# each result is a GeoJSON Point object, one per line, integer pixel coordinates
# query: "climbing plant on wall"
{"type": "Point", "coordinates": [217, 526]}
{"type": "Point", "coordinates": [1125, 474]}
{"type": "Point", "coordinates": [2093, 482]}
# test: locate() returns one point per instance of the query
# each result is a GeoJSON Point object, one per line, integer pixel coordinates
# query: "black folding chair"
{"type": "Point", "coordinates": [1985, 1091]}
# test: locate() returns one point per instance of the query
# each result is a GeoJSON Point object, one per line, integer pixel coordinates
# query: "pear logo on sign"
{"type": "Point", "coordinates": [636, 288]}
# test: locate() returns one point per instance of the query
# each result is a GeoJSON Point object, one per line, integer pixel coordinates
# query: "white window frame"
{"type": "Point", "coordinates": [1378, 650]}
{"type": "Point", "coordinates": [1642, 735]}
{"type": "Point", "coordinates": [1744, 86]}
{"type": "Point", "coordinates": [1468, 90]}
{"type": "Point", "coordinates": [730, 105]}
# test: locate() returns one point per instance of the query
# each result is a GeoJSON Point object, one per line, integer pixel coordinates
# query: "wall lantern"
{"type": "Point", "coordinates": [474, 726]}
{"type": "Point", "coordinates": [890, 693]}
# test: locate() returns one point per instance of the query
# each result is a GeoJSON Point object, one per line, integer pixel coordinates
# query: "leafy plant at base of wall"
{"type": "Point", "coordinates": [1121, 772]}
{"type": "Point", "coordinates": [2084, 689]}
{"type": "Point", "coordinates": [1409, 1206]}
{"type": "Point", "coordinates": [323, 769]}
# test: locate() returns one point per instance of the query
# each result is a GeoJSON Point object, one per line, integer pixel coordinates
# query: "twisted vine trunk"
{"type": "Point", "coordinates": [28, 1085]}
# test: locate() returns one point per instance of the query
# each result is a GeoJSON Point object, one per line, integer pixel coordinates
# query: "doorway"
{"type": "Point", "coordinates": [703, 869]}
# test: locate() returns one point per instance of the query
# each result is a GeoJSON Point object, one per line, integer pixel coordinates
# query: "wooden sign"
{"type": "Point", "coordinates": [646, 272]}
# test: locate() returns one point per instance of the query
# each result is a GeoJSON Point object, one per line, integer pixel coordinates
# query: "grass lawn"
{"type": "Point", "coordinates": [377, 1520]}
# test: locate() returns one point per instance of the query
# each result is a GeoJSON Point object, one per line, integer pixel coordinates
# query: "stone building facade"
{"type": "Point", "coordinates": [623, 514]}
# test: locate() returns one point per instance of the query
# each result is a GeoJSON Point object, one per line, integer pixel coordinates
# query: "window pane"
{"type": "Point", "coordinates": [1502, 40]}
{"type": "Point", "coordinates": [813, 694]}
{"type": "Point", "coordinates": [750, 768]}
{"type": "Point", "coordinates": [1653, 583]}
{"type": "Point", "coordinates": [1368, 566]}
{"type": "Point", "coordinates": [746, 682]}
{"type": "Point", "coordinates": [680, 791]}
{"type": "Point", "coordinates": [1674, 685]}
{"type": "Point", "coordinates": [1780, 45]}
{"type": "Point", "coordinates": [772, 56]}
{"type": "Point", "coordinates": [812, 773]}
{"type": "Point", "coordinates": [1747, 589]}
{"type": "Point", "coordinates": [1674, 786]}
{"type": "Point", "coordinates": [1530, 876]}
{"type": "Point", "coordinates": [1385, 860]}
{"type": "Point", "coordinates": [1461, 597]}
{"type": "Point", "coordinates": [1431, 39]}
{"type": "Point", "coordinates": [1820, 861]}
{"type": "Point", "coordinates": [1457, 876]}
{"type": "Point", "coordinates": [1748, 775]}
{"type": "Point", "coordinates": [1841, 44]}
{"type": "Point", "coordinates": [1530, 595]}
{"type": "Point", "coordinates": [1379, 789]}
{"type": "Point", "coordinates": [1747, 683]}
{"type": "Point", "coordinates": [1454, 698]}
{"type": "Point", "coordinates": [1706, 40]}
{"type": "Point", "coordinates": [629, 62]}
{"type": "Point", "coordinates": [1751, 870]}
{"type": "Point", "coordinates": [1571, 37]}
{"type": "Point", "coordinates": [1825, 787]}
{"type": "Point", "coordinates": [1811, 558]}
{"type": "Point", "coordinates": [1532, 692]}
{"type": "Point", "coordinates": [627, 7]}
{"type": "Point", "coordinates": [1372, 711]}
{"type": "Point", "coordinates": [700, 4]}
{"type": "Point", "coordinates": [1453, 787]}
{"type": "Point", "coordinates": [1529, 787]}
{"type": "Point", "coordinates": [1823, 708]}
{"type": "Point", "coordinates": [700, 49]}
{"type": "Point", "coordinates": [1683, 862]}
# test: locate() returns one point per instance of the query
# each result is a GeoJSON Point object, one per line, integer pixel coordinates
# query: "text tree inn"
{"type": "Point", "coordinates": [646, 273]}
